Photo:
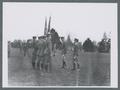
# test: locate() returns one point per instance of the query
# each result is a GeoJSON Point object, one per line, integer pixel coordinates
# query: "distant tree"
{"type": "Point", "coordinates": [105, 44]}
{"type": "Point", "coordinates": [69, 42]}
{"type": "Point", "coordinates": [88, 45]}
{"type": "Point", "coordinates": [105, 36]}
{"type": "Point", "coordinates": [15, 44]}
{"type": "Point", "coordinates": [80, 45]}
{"type": "Point", "coordinates": [108, 45]}
{"type": "Point", "coordinates": [95, 45]}
{"type": "Point", "coordinates": [101, 46]}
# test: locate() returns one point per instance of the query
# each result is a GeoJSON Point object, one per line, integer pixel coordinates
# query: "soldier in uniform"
{"type": "Point", "coordinates": [40, 52]}
{"type": "Point", "coordinates": [75, 54]}
{"type": "Point", "coordinates": [34, 54]}
{"type": "Point", "coordinates": [47, 52]}
{"type": "Point", "coordinates": [64, 51]}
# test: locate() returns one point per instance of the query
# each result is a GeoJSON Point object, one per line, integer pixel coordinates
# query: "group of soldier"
{"type": "Point", "coordinates": [44, 49]}
{"type": "Point", "coordinates": [41, 56]}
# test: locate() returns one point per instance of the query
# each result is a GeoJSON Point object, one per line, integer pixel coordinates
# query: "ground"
{"type": "Point", "coordinates": [94, 70]}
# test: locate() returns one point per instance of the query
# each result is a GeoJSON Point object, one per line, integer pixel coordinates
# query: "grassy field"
{"type": "Point", "coordinates": [94, 70]}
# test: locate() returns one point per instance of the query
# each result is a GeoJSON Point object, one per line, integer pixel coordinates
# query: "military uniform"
{"type": "Point", "coordinates": [34, 54]}
{"type": "Point", "coordinates": [40, 53]}
{"type": "Point", "coordinates": [47, 53]}
{"type": "Point", "coordinates": [64, 51]}
{"type": "Point", "coordinates": [75, 54]}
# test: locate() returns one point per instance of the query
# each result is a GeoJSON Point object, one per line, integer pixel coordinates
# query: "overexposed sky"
{"type": "Point", "coordinates": [80, 20]}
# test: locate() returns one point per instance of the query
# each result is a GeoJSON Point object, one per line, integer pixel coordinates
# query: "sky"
{"type": "Point", "coordinates": [80, 20]}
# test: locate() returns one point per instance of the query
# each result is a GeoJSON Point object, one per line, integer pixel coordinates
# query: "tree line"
{"type": "Point", "coordinates": [88, 45]}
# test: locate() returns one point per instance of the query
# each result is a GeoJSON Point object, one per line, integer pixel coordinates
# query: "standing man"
{"type": "Point", "coordinates": [75, 54]}
{"type": "Point", "coordinates": [64, 51]}
{"type": "Point", "coordinates": [48, 51]}
{"type": "Point", "coordinates": [40, 52]}
{"type": "Point", "coordinates": [34, 54]}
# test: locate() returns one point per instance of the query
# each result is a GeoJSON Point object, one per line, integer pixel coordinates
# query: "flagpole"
{"type": "Point", "coordinates": [49, 24]}
{"type": "Point", "coordinates": [45, 28]}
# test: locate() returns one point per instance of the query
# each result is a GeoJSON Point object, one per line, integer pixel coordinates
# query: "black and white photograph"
{"type": "Point", "coordinates": [60, 45]}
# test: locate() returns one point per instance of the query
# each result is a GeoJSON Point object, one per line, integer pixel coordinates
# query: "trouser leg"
{"type": "Point", "coordinates": [8, 53]}
{"type": "Point", "coordinates": [33, 64]}
{"type": "Point", "coordinates": [49, 64]}
{"type": "Point", "coordinates": [24, 52]}
{"type": "Point", "coordinates": [63, 62]}
{"type": "Point", "coordinates": [73, 65]}
{"type": "Point", "coordinates": [33, 60]}
{"type": "Point", "coordinates": [40, 63]}
{"type": "Point", "coordinates": [53, 48]}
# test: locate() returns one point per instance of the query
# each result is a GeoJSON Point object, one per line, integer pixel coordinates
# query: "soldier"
{"type": "Point", "coordinates": [40, 52]}
{"type": "Point", "coordinates": [47, 52]}
{"type": "Point", "coordinates": [34, 54]}
{"type": "Point", "coordinates": [28, 47]}
{"type": "Point", "coordinates": [64, 51]}
{"type": "Point", "coordinates": [75, 54]}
